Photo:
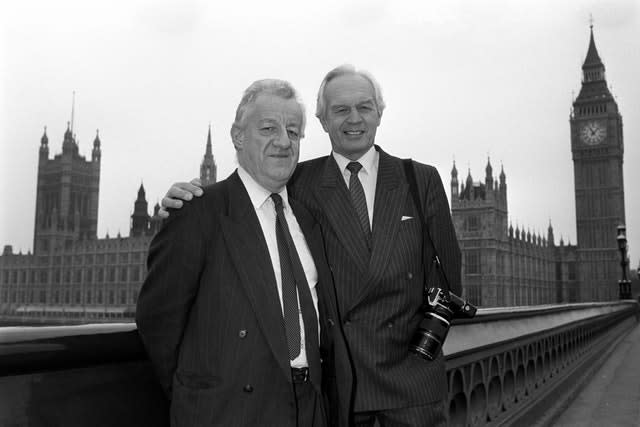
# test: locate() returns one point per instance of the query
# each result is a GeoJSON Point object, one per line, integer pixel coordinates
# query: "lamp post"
{"type": "Point", "coordinates": [624, 284]}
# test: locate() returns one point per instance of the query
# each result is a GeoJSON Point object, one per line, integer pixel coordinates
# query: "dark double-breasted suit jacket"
{"type": "Point", "coordinates": [380, 293]}
{"type": "Point", "coordinates": [211, 320]}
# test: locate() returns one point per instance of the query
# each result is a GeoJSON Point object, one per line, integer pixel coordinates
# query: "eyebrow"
{"type": "Point", "coordinates": [287, 124]}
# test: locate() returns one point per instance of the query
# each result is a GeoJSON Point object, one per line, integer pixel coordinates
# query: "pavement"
{"type": "Point", "coordinates": [612, 396]}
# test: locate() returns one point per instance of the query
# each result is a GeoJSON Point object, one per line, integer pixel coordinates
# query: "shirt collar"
{"type": "Point", "coordinates": [368, 160]}
{"type": "Point", "coordinates": [257, 193]}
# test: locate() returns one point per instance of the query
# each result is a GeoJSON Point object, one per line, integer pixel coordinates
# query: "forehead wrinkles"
{"type": "Point", "coordinates": [286, 111]}
{"type": "Point", "coordinates": [349, 90]}
{"type": "Point", "coordinates": [285, 117]}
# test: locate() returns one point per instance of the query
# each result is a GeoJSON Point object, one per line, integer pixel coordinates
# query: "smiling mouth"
{"type": "Point", "coordinates": [354, 132]}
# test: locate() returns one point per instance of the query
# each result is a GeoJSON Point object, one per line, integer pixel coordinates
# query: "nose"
{"type": "Point", "coordinates": [282, 140]}
{"type": "Point", "coordinates": [354, 116]}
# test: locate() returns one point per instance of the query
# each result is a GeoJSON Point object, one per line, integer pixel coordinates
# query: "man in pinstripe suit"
{"type": "Point", "coordinates": [239, 295]}
{"type": "Point", "coordinates": [373, 238]}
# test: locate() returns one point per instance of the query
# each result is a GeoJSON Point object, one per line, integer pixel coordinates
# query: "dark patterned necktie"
{"type": "Point", "coordinates": [289, 289]}
{"type": "Point", "coordinates": [359, 200]}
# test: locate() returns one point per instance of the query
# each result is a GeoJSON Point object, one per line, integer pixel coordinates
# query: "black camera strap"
{"type": "Point", "coordinates": [413, 189]}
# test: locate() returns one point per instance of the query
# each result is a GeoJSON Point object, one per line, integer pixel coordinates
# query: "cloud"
{"type": "Point", "coordinates": [614, 13]}
{"type": "Point", "coordinates": [360, 13]}
{"type": "Point", "coordinates": [171, 17]}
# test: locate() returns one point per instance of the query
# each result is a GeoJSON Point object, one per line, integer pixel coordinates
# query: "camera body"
{"type": "Point", "coordinates": [440, 306]}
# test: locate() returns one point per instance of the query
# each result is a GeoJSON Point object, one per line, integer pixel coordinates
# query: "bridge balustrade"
{"type": "Point", "coordinates": [521, 366]}
{"type": "Point", "coordinates": [508, 366]}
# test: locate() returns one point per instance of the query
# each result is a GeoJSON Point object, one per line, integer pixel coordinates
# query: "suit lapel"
{"type": "Point", "coordinates": [391, 193]}
{"type": "Point", "coordinates": [334, 199]}
{"type": "Point", "coordinates": [250, 255]}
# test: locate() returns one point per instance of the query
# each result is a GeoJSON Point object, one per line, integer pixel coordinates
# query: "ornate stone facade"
{"type": "Point", "coordinates": [597, 148]}
{"type": "Point", "coordinates": [72, 275]}
{"type": "Point", "coordinates": [503, 267]}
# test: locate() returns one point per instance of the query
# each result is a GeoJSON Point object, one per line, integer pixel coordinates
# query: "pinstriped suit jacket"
{"type": "Point", "coordinates": [379, 296]}
{"type": "Point", "coordinates": [210, 317]}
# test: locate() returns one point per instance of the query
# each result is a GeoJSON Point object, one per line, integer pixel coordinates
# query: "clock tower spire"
{"type": "Point", "coordinates": [597, 149]}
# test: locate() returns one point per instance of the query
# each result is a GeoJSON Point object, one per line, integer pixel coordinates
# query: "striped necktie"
{"type": "Point", "coordinates": [289, 288]}
{"type": "Point", "coordinates": [359, 200]}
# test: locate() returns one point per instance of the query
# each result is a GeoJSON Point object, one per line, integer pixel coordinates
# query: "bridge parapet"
{"type": "Point", "coordinates": [512, 366]}
{"type": "Point", "coordinates": [521, 365]}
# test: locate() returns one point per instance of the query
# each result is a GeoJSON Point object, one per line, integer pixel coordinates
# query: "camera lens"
{"type": "Point", "coordinates": [428, 339]}
{"type": "Point", "coordinates": [425, 344]}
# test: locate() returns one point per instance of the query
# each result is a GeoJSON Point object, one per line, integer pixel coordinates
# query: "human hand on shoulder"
{"type": "Point", "coordinates": [178, 192]}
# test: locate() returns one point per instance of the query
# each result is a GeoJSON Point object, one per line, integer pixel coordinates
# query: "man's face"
{"type": "Point", "coordinates": [351, 117]}
{"type": "Point", "coordinates": [268, 146]}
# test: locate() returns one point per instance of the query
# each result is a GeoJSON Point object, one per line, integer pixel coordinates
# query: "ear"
{"type": "Point", "coordinates": [379, 112]}
{"type": "Point", "coordinates": [237, 137]}
{"type": "Point", "coordinates": [323, 122]}
{"type": "Point", "coordinates": [379, 119]}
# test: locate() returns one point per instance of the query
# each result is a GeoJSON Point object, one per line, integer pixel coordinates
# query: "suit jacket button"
{"type": "Point", "coordinates": [389, 325]}
{"type": "Point", "coordinates": [347, 323]}
{"type": "Point", "coordinates": [409, 275]}
{"type": "Point", "coordinates": [248, 388]}
{"type": "Point", "coordinates": [242, 333]}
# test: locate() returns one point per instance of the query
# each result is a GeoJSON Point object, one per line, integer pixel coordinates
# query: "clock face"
{"type": "Point", "coordinates": [593, 133]}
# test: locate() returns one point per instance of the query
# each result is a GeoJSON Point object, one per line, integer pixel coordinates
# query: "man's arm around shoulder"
{"type": "Point", "coordinates": [174, 264]}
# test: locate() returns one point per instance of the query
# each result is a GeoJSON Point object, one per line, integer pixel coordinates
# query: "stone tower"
{"type": "Point", "coordinates": [208, 167]}
{"type": "Point", "coordinates": [67, 195]}
{"type": "Point", "coordinates": [140, 217]}
{"type": "Point", "coordinates": [597, 149]}
{"type": "Point", "coordinates": [479, 212]}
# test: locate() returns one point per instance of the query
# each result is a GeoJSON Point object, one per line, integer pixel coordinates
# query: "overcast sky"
{"type": "Point", "coordinates": [461, 79]}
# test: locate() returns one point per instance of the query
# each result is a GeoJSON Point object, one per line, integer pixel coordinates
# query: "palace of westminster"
{"type": "Point", "coordinates": [73, 275]}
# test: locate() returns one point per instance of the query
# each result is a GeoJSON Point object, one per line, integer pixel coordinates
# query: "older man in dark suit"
{"type": "Point", "coordinates": [239, 296]}
{"type": "Point", "coordinates": [374, 244]}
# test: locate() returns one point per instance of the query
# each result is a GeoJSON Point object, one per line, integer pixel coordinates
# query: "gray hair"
{"type": "Point", "coordinates": [348, 69]}
{"type": "Point", "coordinates": [280, 88]}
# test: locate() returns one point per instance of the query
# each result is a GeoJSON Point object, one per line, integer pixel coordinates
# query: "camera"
{"type": "Point", "coordinates": [440, 307]}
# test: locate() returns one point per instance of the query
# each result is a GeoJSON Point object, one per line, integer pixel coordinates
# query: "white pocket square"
{"type": "Point", "coordinates": [404, 218]}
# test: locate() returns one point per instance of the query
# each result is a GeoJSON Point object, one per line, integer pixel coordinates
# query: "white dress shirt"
{"type": "Point", "coordinates": [368, 175]}
{"type": "Point", "coordinates": [266, 212]}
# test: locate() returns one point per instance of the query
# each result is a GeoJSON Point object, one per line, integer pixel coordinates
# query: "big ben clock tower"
{"type": "Point", "coordinates": [597, 148]}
